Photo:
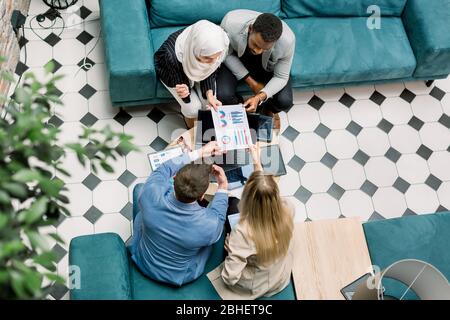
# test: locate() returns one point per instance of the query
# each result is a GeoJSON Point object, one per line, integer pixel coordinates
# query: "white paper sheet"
{"type": "Point", "coordinates": [233, 219]}
{"type": "Point", "coordinates": [158, 158]}
{"type": "Point", "coordinates": [231, 126]}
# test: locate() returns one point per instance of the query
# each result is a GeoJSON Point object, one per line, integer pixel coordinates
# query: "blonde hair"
{"type": "Point", "coordinates": [268, 219]}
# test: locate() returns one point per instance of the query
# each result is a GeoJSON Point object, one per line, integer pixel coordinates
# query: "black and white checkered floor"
{"type": "Point", "coordinates": [374, 151]}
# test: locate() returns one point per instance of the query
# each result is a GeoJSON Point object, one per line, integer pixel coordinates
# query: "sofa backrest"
{"type": "Point", "coordinates": [165, 13]}
{"type": "Point", "coordinates": [339, 8]}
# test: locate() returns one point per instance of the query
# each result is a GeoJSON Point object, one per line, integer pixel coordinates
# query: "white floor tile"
{"type": "Point", "coordinates": [171, 127]}
{"type": "Point", "coordinates": [143, 129]}
{"type": "Point", "coordinates": [45, 231]}
{"type": "Point", "coordinates": [381, 171]}
{"type": "Point", "coordinates": [92, 5]}
{"type": "Point", "coordinates": [37, 7]}
{"type": "Point", "coordinates": [418, 87]}
{"type": "Point", "coordinates": [335, 115]}
{"type": "Point", "coordinates": [74, 107]}
{"type": "Point", "coordinates": [70, 132]}
{"type": "Point", "coordinates": [102, 124]}
{"type": "Point", "coordinates": [373, 141]}
{"type": "Point", "coordinates": [289, 183]}
{"type": "Point", "coordinates": [74, 79]}
{"type": "Point", "coordinates": [38, 53]}
{"type": "Point", "coordinates": [332, 94]}
{"type": "Point", "coordinates": [74, 227]}
{"type": "Point", "coordinates": [77, 171]}
{"type": "Point", "coordinates": [303, 118]}
{"type": "Point", "coordinates": [426, 108]}
{"type": "Point", "coordinates": [316, 177]}
{"type": "Point", "coordinates": [389, 202]}
{"type": "Point", "coordinates": [393, 89]}
{"type": "Point", "coordinates": [114, 222]}
{"type": "Point", "coordinates": [73, 26]}
{"type": "Point", "coordinates": [413, 168]}
{"type": "Point", "coordinates": [284, 121]}
{"type": "Point", "coordinates": [396, 110]}
{"type": "Point", "coordinates": [69, 52]}
{"type": "Point", "coordinates": [300, 209]}
{"type": "Point", "coordinates": [439, 164]}
{"type": "Point", "coordinates": [341, 144]}
{"type": "Point", "coordinates": [100, 105]}
{"type": "Point", "coordinates": [93, 28]}
{"type": "Point", "coordinates": [366, 113]}
{"type": "Point", "coordinates": [444, 194]}
{"type": "Point", "coordinates": [422, 199]}
{"type": "Point", "coordinates": [435, 136]}
{"type": "Point", "coordinates": [35, 32]}
{"type": "Point", "coordinates": [96, 52]}
{"type": "Point", "coordinates": [349, 174]}
{"type": "Point", "coordinates": [309, 147]}
{"type": "Point", "coordinates": [404, 139]}
{"type": "Point", "coordinates": [361, 92]}
{"type": "Point", "coordinates": [444, 84]}
{"type": "Point", "coordinates": [80, 198]}
{"type": "Point", "coordinates": [301, 97]}
{"type": "Point", "coordinates": [110, 196]}
{"type": "Point", "coordinates": [356, 203]}
{"type": "Point", "coordinates": [322, 206]}
{"type": "Point", "coordinates": [97, 77]}
{"type": "Point", "coordinates": [286, 148]}
{"type": "Point", "coordinates": [119, 166]}
{"type": "Point", "coordinates": [137, 162]}
{"type": "Point", "coordinates": [446, 104]}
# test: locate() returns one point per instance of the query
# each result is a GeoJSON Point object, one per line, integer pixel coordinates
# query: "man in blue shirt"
{"type": "Point", "coordinates": [173, 235]}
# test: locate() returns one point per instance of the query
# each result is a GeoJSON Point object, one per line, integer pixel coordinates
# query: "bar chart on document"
{"type": "Point", "coordinates": [232, 129]}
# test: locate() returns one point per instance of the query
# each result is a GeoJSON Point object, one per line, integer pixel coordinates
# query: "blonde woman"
{"type": "Point", "coordinates": [259, 260]}
{"type": "Point", "coordinates": [187, 63]}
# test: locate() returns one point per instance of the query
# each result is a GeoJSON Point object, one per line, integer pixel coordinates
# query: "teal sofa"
{"type": "Point", "coordinates": [334, 45]}
{"type": "Point", "coordinates": [422, 237]}
{"type": "Point", "coordinates": [108, 273]}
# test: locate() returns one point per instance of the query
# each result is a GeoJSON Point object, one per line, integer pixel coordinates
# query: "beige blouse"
{"type": "Point", "coordinates": [240, 277]}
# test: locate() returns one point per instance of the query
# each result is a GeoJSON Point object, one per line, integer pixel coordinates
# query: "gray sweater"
{"type": "Point", "coordinates": [277, 60]}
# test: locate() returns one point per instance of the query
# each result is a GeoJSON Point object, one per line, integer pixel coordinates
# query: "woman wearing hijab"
{"type": "Point", "coordinates": [187, 63]}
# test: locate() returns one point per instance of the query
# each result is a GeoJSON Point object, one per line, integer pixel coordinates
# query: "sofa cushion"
{"type": "Point", "coordinates": [343, 50]}
{"type": "Point", "coordinates": [103, 264]}
{"type": "Point", "coordinates": [339, 8]}
{"type": "Point", "coordinates": [424, 237]}
{"type": "Point", "coordinates": [181, 12]}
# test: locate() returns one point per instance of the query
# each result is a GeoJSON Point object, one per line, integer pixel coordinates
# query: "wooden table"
{"type": "Point", "coordinates": [328, 255]}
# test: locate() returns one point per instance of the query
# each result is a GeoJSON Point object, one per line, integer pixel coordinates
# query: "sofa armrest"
{"type": "Point", "coordinates": [102, 263]}
{"type": "Point", "coordinates": [128, 50]}
{"type": "Point", "coordinates": [427, 25]}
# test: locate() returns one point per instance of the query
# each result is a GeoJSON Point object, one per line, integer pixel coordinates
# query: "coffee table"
{"type": "Point", "coordinates": [328, 255]}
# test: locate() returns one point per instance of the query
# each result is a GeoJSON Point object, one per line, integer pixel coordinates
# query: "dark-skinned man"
{"type": "Point", "coordinates": [260, 53]}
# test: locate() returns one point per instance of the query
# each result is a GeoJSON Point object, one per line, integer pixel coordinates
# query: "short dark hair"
{"type": "Point", "coordinates": [269, 26]}
{"type": "Point", "coordinates": [191, 182]}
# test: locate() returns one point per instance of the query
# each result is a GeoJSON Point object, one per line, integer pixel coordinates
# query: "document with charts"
{"type": "Point", "coordinates": [232, 129]}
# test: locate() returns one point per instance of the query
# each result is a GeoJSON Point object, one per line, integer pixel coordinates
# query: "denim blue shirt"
{"type": "Point", "coordinates": [172, 240]}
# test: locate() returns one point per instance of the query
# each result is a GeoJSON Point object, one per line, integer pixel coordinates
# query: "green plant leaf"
{"type": "Point", "coordinates": [4, 197]}
{"type": "Point", "coordinates": [56, 237]}
{"type": "Point", "coordinates": [37, 240]}
{"type": "Point", "coordinates": [46, 260]}
{"type": "Point", "coordinates": [27, 175]}
{"type": "Point", "coordinates": [15, 189]}
{"type": "Point", "coordinates": [35, 212]}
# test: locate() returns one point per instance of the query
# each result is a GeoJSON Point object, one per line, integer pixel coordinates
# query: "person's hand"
{"type": "Point", "coordinates": [182, 90]}
{"type": "Point", "coordinates": [251, 104]}
{"type": "Point", "coordinates": [220, 176]}
{"type": "Point", "coordinates": [210, 149]}
{"type": "Point", "coordinates": [255, 152]}
{"type": "Point", "coordinates": [212, 101]}
{"type": "Point", "coordinates": [226, 245]}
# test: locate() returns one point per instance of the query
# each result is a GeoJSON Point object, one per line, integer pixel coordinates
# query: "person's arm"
{"type": "Point", "coordinates": [208, 89]}
{"type": "Point", "coordinates": [219, 205]}
{"type": "Point", "coordinates": [280, 76]}
{"type": "Point", "coordinates": [235, 65]}
{"type": "Point", "coordinates": [239, 249]}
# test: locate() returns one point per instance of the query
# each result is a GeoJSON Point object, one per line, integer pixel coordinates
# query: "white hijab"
{"type": "Point", "coordinates": [203, 38]}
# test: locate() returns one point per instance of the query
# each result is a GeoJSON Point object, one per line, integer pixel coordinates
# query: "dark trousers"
{"type": "Point", "coordinates": [233, 203]}
{"type": "Point", "coordinates": [227, 85]}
